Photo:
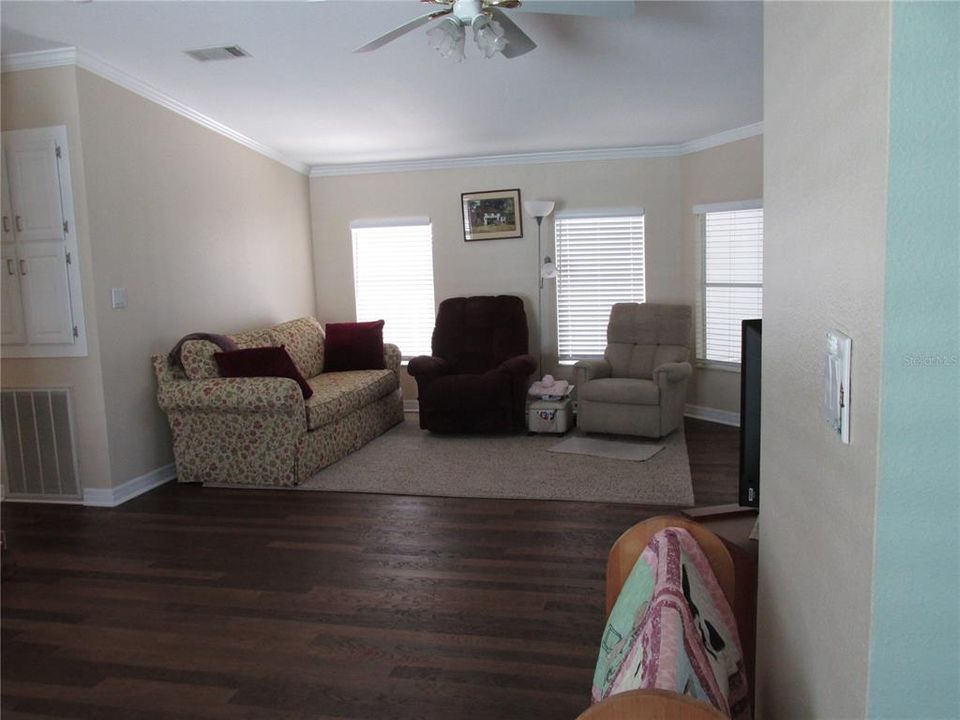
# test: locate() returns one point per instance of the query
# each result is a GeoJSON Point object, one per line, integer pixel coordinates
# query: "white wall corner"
{"type": "Point", "coordinates": [111, 497]}
{"type": "Point", "coordinates": [724, 417]}
{"type": "Point", "coordinates": [411, 406]}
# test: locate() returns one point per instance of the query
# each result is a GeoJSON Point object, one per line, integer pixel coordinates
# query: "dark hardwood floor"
{"type": "Point", "coordinates": [212, 603]}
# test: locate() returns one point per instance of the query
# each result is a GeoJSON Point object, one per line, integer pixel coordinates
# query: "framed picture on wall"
{"type": "Point", "coordinates": [492, 215]}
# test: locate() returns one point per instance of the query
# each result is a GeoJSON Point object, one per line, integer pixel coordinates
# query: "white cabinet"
{"type": "Point", "coordinates": [42, 313]}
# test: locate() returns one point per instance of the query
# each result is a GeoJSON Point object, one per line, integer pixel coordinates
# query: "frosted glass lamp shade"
{"type": "Point", "coordinates": [548, 270]}
{"type": "Point", "coordinates": [538, 208]}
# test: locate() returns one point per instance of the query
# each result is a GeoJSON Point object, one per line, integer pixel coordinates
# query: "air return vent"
{"type": "Point", "coordinates": [230, 52]}
{"type": "Point", "coordinates": [38, 451]}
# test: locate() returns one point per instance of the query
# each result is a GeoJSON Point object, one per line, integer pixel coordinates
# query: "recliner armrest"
{"type": "Point", "coordinates": [426, 366]}
{"type": "Point", "coordinates": [672, 372]}
{"type": "Point", "coordinates": [586, 370]}
{"type": "Point", "coordinates": [520, 365]}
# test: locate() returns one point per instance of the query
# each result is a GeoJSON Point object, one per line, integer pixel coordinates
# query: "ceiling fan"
{"type": "Point", "coordinates": [493, 30]}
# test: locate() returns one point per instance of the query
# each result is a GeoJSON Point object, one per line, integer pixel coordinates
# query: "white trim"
{"type": "Point", "coordinates": [111, 497]}
{"type": "Point", "coordinates": [39, 59]}
{"type": "Point", "coordinates": [90, 63]}
{"type": "Point", "coordinates": [389, 222]}
{"type": "Point", "coordinates": [722, 138]}
{"type": "Point", "coordinates": [411, 406]}
{"type": "Point", "coordinates": [733, 206]}
{"type": "Point", "coordinates": [540, 158]}
{"type": "Point", "coordinates": [724, 417]}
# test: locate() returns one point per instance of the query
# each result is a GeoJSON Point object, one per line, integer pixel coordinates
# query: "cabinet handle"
{"type": "Point", "coordinates": [10, 267]}
{"type": "Point", "coordinates": [23, 267]}
{"type": "Point", "coordinates": [6, 223]}
{"type": "Point", "coordinates": [19, 224]}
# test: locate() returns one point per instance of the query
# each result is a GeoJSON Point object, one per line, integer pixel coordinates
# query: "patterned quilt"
{"type": "Point", "coordinates": [672, 628]}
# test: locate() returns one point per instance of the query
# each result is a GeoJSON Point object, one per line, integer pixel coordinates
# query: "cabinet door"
{"type": "Point", "coordinates": [11, 311]}
{"type": "Point", "coordinates": [46, 293]}
{"type": "Point", "coordinates": [7, 208]}
{"type": "Point", "coordinates": [34, 186]}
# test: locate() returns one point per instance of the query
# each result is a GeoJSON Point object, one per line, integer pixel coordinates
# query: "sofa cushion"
{"type": "Point", "coordinates": [625, 391]}
{"type": "Point", "coordinates": [261, 362]}
{"type": "Point", "coordinates": [197, 355]}
{"type": "Point", "coordinates": [336, 394]}
{"type": "Point", "coordinates": [303, 339]}
{"type": "Point", "coordinates": [354, 346]}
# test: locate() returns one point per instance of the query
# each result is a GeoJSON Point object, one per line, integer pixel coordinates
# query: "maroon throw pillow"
{"type": "Point", "coordinates": [353, 346]}
{"type": "Point", "coordinates": [261, 362]}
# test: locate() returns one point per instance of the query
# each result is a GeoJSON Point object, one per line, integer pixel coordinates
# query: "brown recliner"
{"type": "Point", "coordinates": [476, 380]}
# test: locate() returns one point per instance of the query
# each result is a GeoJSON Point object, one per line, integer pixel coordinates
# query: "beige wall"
{"type": "Point", "coordinates": [722, 174]}
{"type": "Point", "coordinates": [825, 168]}
{"type": "Point", "coordinates": [44, 98]}
{"type": "Point", "coordinates": [511, 266]}
{"type": "Point", "coordinates": [205, 235]}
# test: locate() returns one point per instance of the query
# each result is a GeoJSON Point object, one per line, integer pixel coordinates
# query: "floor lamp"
{"type": "Point", "coordinates": [539, 209]}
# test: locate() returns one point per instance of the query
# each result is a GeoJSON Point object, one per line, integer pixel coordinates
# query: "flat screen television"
{"type": "Point", "coordinates": [751, 333]}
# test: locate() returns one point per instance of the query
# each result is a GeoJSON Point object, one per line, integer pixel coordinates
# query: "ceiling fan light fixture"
{"type": "Point", "coordinates": [488, 34]}
{"type": "Point", "coordinates": [447, 38]}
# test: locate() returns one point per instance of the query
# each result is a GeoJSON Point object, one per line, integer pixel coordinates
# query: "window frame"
{"type": "Point", "coordinates": [586, 214]}
{"type": "Point", "coordinates": [391, 223]}
{"type": "Point", "coordinates": [701, 211]}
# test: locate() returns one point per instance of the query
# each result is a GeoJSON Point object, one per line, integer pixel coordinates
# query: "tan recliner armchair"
{"type": "Point", "coordinates": [640, 385]}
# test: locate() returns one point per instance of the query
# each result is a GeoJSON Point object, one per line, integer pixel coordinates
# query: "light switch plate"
{"type": "Point", "coordinates": [118, 298]}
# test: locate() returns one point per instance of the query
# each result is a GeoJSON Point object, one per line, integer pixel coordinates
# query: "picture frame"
{"type": "Point", "coordinates": [492, 215]}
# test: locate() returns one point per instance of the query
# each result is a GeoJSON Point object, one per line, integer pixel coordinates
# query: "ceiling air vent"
{"type": "Point", "coordinates": [230, 52]}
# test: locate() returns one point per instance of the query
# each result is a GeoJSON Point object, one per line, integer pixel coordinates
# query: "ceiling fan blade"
{"type": "Point", "coordinates": [593, 8]}
{"type": "Point", "coordinates": [518, 42]}
{"type": "Point", "coordinates": [403, 30]}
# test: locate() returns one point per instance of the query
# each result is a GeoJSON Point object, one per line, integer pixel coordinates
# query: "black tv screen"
{"type": "Point", "coordinates": [751, 332]}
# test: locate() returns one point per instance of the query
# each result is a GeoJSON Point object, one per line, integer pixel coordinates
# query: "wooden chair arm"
{"type": "Point", "coordinates": [651, 705]}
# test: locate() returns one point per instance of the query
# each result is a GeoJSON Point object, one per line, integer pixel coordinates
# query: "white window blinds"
{"type": "Point", "coordinates": [733, 280]}
{"type": "Point", "coordinates": [393, 281]}
{"type": "Point", "coordinates": [600, 262]}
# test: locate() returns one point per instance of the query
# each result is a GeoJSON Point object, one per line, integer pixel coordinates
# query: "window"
{"type": "Point", "coordinates": [732, 274]}
{"type": "Point", "coordinates": [600, 261]}
{"type": "Point", "coordinates": [393, 280]}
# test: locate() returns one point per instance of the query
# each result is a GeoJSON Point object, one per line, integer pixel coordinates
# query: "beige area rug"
{"type": "Point", "coordinates": [633, 450]}
{"type": "Point", "coordinates": [409, 461]}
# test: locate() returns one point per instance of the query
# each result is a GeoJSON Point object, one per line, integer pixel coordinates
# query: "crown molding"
{"type": "Point", "coordinates": [71, 56]}
{"type": "Point", "coordinates": [39, 59]}
{"type": "Point", "coordinates": [90, 63]}
{"type": "Point", "coordinates": [721, 138]}
{"type": "Point", "coordinates": [539, 158]}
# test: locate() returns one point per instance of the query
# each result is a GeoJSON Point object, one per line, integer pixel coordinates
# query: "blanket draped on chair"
{"type": "Point", "coordinates": [672, 628]}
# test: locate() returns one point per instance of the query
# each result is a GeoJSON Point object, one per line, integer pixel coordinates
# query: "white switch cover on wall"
{"type": "Point", "coordinates": [118, 298]}
{"type": "Point", "coordinates": [836, 384]}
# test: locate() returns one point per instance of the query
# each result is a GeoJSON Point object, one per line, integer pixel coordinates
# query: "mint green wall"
{"type": "Point", "coordinates": [915, 640]}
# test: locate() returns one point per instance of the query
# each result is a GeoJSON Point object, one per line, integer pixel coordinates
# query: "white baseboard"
{"type": "Point", "coordinates": [411, 406]}
{"type": "Point", "coordinates": [724, 417]}
{"type": "Point", "coordinates": [111, 497]}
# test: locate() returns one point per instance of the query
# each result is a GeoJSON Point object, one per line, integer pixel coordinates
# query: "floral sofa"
{"type": "Point", "coordinates": [260, 431]}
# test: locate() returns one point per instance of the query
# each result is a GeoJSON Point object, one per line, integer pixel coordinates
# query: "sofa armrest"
{"type": "Point", "coordinates": [238, 396]}
{"type": "Point", "coordinates": [672, 372]}
{"type": "Point", "coordinates": [519, 365]}
{"type": "Point", "coordinates": [392, 357]}
{"type": "Point", "coordinates": [586, 370]}
{"type": "Point", "coordinates": [427, 366]}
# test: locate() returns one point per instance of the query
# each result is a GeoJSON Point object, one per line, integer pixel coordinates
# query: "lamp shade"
{"type": "Point", "coordinates": [548, 270]}
{"type": "Point", "coordinates": [538, 208]}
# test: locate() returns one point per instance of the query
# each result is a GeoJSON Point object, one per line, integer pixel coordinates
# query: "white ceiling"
{"type": "Point", "coordinates": [674, 72]}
